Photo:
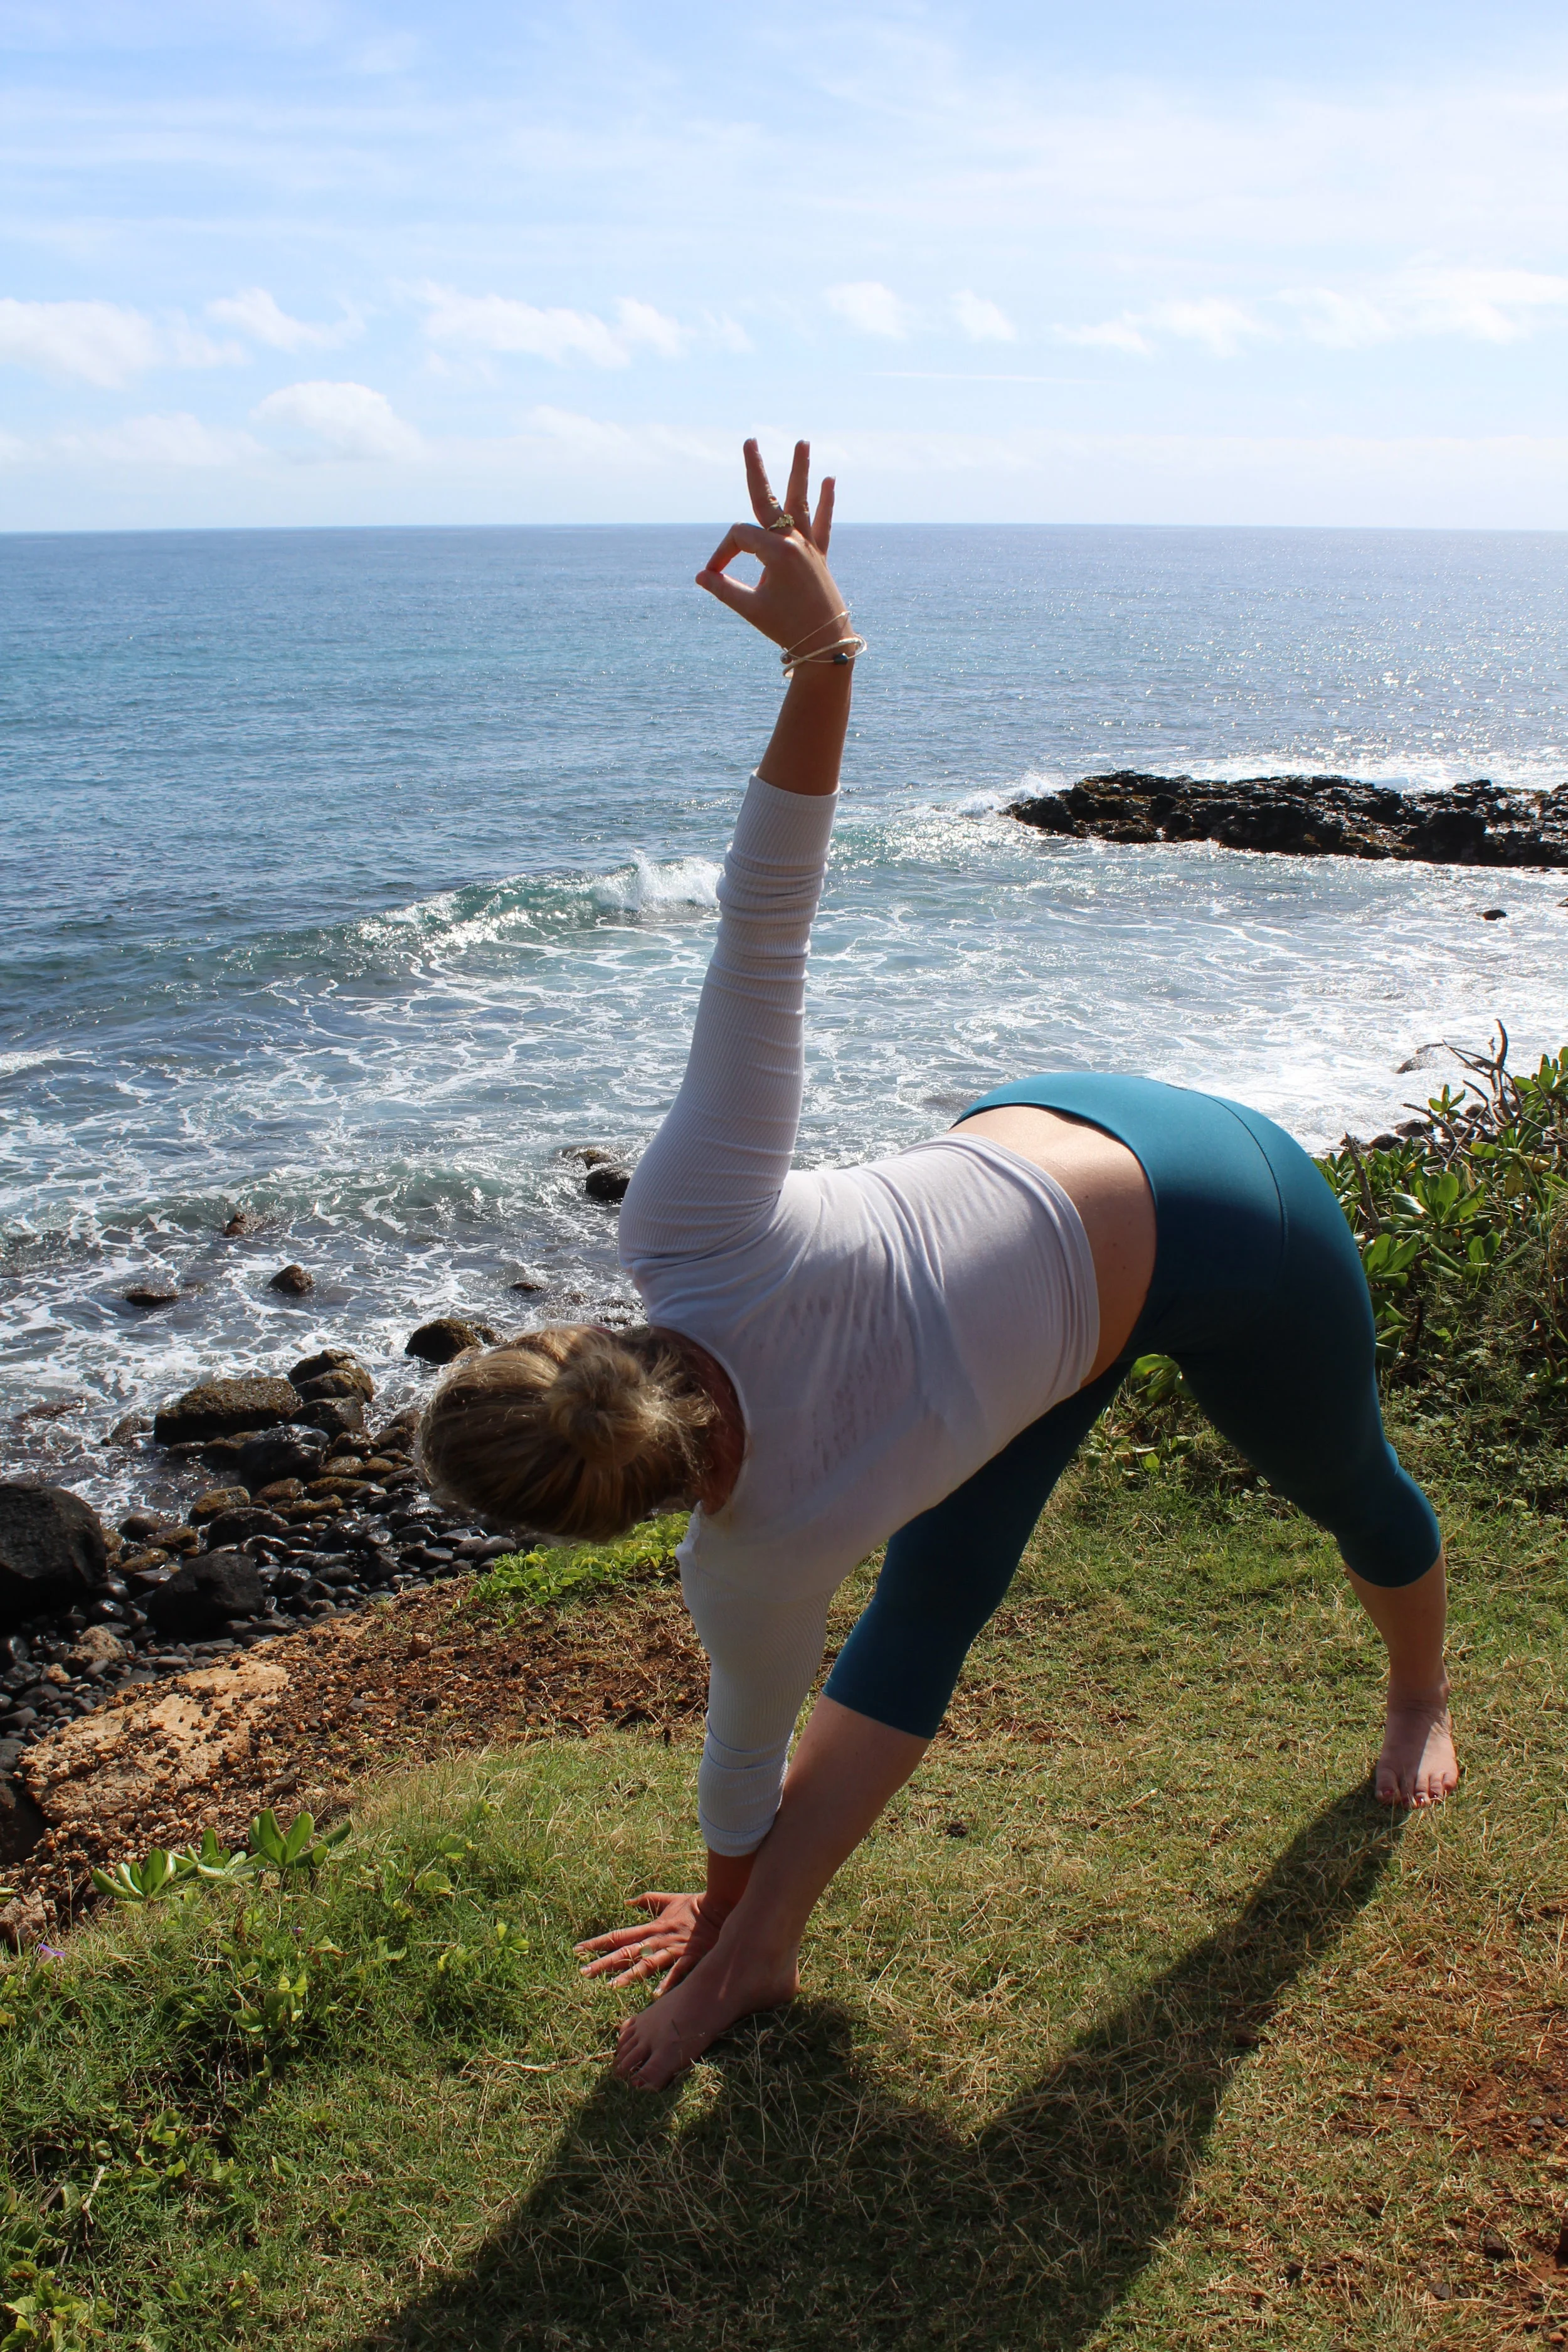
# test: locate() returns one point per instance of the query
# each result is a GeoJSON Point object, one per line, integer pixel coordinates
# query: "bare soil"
{"type": "Point", "coordinates": [294, 1724]}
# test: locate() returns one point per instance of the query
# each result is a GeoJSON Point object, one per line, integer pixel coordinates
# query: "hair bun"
{"type": "Point", "coordinates": [604, 1408]}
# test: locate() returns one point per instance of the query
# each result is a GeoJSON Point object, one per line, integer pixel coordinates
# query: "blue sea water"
{"type": "Point", "coordinates": [350, 877]}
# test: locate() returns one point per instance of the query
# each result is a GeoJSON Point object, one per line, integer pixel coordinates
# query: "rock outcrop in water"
{"type": "Point", "coordinates": [1313, 816]}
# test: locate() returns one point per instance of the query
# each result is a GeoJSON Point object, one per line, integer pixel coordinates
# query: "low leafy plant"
{"type": "Point", "coordinates": [44, 2316]}
{"type": "Point", "coordinates": [163, 1872]}
{"type": "Point", "coordinates": [550, 1573]}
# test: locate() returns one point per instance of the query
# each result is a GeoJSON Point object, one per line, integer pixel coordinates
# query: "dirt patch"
{"type": "Point", "coordinates": [296, 1722]}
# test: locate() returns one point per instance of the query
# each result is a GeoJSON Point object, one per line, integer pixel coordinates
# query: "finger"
{"type": "Point", "coordinates": [822, 525]}
{"type": "Point", "coordinates": [743, 539]}
{"type": "Point", "coordinates": [797, 498]}
{"type": "Point", "coordinates": [648, 1966]}
{"type": "Point", "coordinates": [610, 1942]}
{"type": "Point", "coordinates": [652, 1899]}
{"type": "Point", "coordinates": [765, 505]}
{"type": "Point", "coordinates": [615, 1948]}
{"type": "Point", "coordinates": [733, 592]}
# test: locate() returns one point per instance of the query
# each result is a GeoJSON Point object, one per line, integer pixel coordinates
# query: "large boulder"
{"type": "Point", "coordinates": [437, 1342]}
{"type": "Point", "coordinates": [224, 1408]}
{"type": "Point", "coordinates": [199, 1600]}
{"type": "Point", "coordinates": [52, 1552]}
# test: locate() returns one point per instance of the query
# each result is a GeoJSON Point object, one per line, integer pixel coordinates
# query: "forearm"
{"type": "Point", "coordinates": [844, 1771]}
{"type": "Point", "coordinates": [728, 1877]}
{"type": "Point", "coordinates": [806, 746]}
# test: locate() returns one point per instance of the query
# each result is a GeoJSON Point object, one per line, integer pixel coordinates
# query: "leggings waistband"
{"type": "Point", "coordinates": [1221, 1176]}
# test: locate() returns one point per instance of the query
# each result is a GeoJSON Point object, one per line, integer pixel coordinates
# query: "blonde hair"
{"type": "Point", "coordinates": [571, 1430]}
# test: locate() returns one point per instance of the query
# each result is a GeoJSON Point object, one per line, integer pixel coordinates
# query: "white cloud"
{"type": "Point", "coordinates": [1489, 306]}
{"type": "Point", "coordinates": [1222, 328]}
{"type": "Point", "coordinates": [1122, 334]}
{"type": "Point", "coordinates": [495, 322]}
{"type": "Point", "coordinates": [636, 445]}
{"type": "Point", "coordinates": [983, 321]}
{"type": "Point", "coordinates": [102, 342]}
{"type": "Point", "coordinates": [347, 420]}
{"type": "Point", "coordinates": [180, 440]}
{"type": "Point", "coordinates": [257, 314]}
{"type": "Point", "coordinates": [727, 332]}
{"type": "Point", "coordinates": [99, 342]}
{"type": "Point", "coordinates": [869, 308]}
{"type": "Point", "coordinates": [639, 322]}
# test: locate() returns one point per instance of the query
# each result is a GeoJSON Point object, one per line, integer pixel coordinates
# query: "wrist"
{"type": "Point", "coordinates": [728, 1875]}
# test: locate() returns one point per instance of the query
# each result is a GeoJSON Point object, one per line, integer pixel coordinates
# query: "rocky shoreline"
{"type": "Point", "coordinates": [307, 1513]}
{"type": "Point", "coordinates": [1480, 824]}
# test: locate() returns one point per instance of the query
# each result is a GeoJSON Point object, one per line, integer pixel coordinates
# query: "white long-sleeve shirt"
{"type": "Point", "coordinates": [888, 1328]}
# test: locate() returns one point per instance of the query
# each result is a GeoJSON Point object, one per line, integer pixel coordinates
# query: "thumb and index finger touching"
{"type": "Point", "coordinates": [761, 539]}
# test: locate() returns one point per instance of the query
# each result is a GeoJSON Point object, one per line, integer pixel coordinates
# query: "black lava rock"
{"type": "Point", "coordinates": [226, 1407]}
{"type": "Point", "coordinates": [22, 1825]}
{"type": "Point", "coordinates": [199, 1600]}
{"type": "Point", "coordinates": [277, 1453]}
{"type": "Point", "coordinates": [328, 1361]}
{"type": "Point", "coordinates": [237, 1527]}
{"type": "Point", "coordinates": [337, 1415]}
{"type": "Point", "coordinates": [52, 1552]}
{"type": "Point", "coordinates": [333, 1384]}
{"type": "Point", "coordinates": [438, 1341]}
{"type": "Point", "coordinates": [150, 1295]}
{"type": "Point", "coordinates": [293, 1281]}
{"type": "Point", "coordinates": [606, 1183]}
{"type": "Point", "coordinates": [1313, 816]}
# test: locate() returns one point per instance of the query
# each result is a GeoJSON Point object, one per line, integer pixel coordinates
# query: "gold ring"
{"type": "Point", "coordinates": [782, 519]}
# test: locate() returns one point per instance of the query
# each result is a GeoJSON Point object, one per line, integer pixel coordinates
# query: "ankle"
{"type": "Point", "coordinates": [1418, 1691]}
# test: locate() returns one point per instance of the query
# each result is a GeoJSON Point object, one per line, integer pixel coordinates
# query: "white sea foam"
{"type": "Point", "coordinates": [651, 889]}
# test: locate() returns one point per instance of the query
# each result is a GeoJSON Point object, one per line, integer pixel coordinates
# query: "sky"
{"type": "Point", "coordinates": [304, 262]}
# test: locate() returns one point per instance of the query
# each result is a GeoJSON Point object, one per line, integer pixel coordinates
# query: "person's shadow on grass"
{"type": "Point", "coordinates": [807, 2206]}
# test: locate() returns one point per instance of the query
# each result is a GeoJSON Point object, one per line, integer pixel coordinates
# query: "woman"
{"type": "Point", "coordinates": [919, 1345]}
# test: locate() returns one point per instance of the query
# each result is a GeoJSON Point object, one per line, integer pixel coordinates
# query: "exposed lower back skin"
{"type": "Point", "coordinates": [1110, 1192]}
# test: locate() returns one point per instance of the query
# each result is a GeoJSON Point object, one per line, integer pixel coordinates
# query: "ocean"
{"type": "Point", "coordinates": [350, 879]}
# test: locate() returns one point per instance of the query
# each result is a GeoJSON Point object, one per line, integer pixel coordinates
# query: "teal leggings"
{"type": "Point", "coordinates": [1258, 1292]}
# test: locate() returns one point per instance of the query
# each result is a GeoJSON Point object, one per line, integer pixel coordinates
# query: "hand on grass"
{"type": "Point", "coordinates": [796, 598]}
{"type": "Point", "coordinates": [685, 1926]}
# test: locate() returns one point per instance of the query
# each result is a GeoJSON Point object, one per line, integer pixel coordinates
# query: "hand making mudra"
{"type": "Point", "coordinates": [913, 1350]}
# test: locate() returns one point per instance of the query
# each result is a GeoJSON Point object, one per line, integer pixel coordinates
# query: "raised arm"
{"type": "Point", "coordinates": [726, 1144]}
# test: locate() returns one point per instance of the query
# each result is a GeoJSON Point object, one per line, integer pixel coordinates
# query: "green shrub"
{"type": "Point", "coordinates": [532, 1580]}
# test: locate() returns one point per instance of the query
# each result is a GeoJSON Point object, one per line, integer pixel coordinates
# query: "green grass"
{"type": "Point", "coordinates": [1179, 2043]}
{"type": "Point", "coordinates": [551, 1572]}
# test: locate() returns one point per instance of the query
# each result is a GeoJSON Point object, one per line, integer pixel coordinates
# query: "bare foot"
{"type": "Point", "coordinates": [662, 2039]}
{"type": "Point", "coordinates": [1417, 1765]}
